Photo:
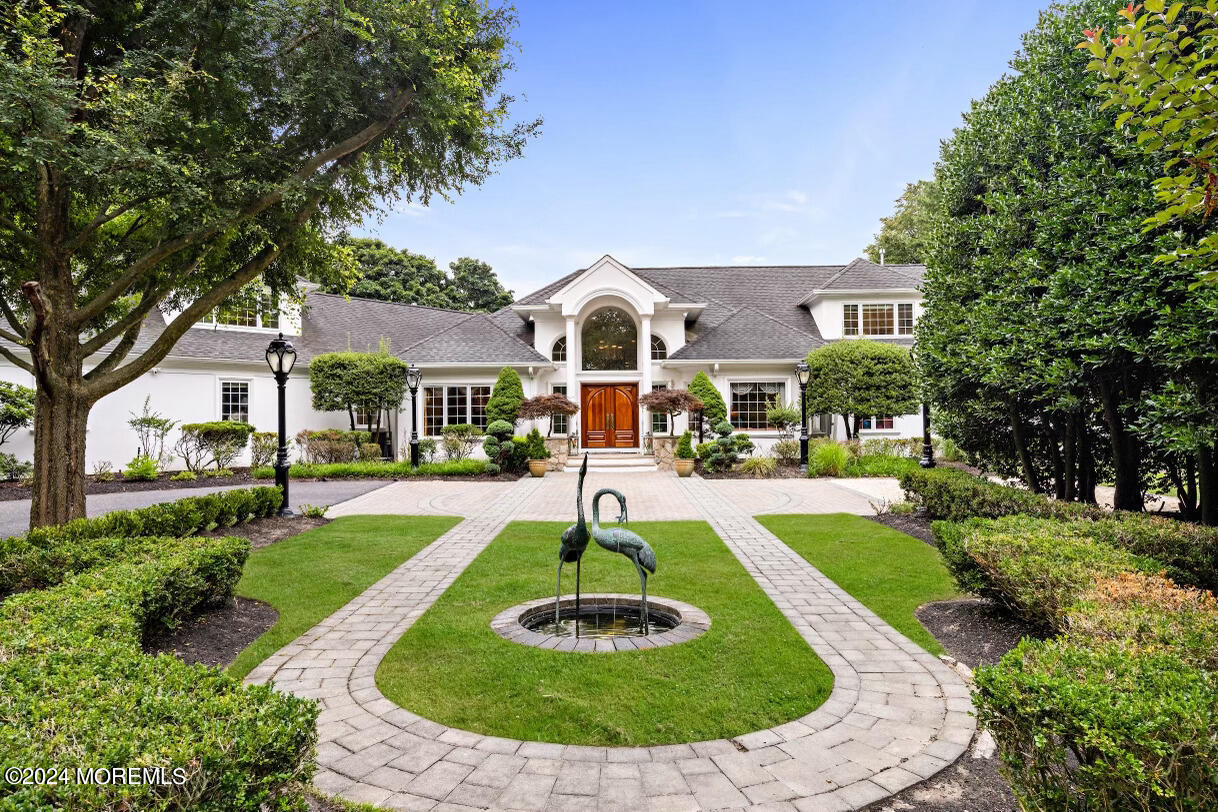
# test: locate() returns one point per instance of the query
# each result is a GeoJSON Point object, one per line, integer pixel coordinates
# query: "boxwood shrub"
{"type": "Point", "coordinates": [44, 555]}
{"type": "Point", "coordinates": [376, 470]}
{"type": "Point", "coordinates": [949, 493]}
{"type": "Point", "coordinates": [79, 691]}
{"type": "Point", "coordinates": [1188, 552]}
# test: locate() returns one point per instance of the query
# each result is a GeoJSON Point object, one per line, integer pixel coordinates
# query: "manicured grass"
{"type": "Point", "coordinates": [375, 469]}
{"type": "Point", "coordinates": [309, 576]}
{"type": "Point", "coordinates": [749, 671]}
{"type": "Point", "coordinates": [887, 571]}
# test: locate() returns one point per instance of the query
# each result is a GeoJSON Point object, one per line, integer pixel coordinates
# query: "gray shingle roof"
{"type": "Point", "coordinates": [477, 338]}
{"type": "Point", "coordinates": [862, 274]}
{"type": "Point", "coordinates": [749, 334]}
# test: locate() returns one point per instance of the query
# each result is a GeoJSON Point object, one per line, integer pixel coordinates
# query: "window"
{"type": "Point", "coordinates": [367, 417]}
{"type": "Point", "coordinates": [659, 350]}
{"type": "Point", "coordinates": [905, 321]}
{"type": "Point", "coordinates": [450, 405]}
{"type": "Point", "coordinates": [877, 319]}
{"type": "Point", "coordinates": [876, 423]}
{"type": "Point", "coordinates": [559, 422]}
{"type": "Point", "coordinates": [659, 420]}
{"type": "Point", "coordinates": [750, 402]}
{"type": "Point", "coordinates": [850, 319]}
{"type": "Point", "coordinates": [249, 308]}
{"type": "Point", "coordinates": [559, 353]}
{"type": "Point", "coordinates": [610, 340]}
{"type": "Point", "coordinates": [479, 396]}
{"type": "Point", "coordinates": [235, 401]}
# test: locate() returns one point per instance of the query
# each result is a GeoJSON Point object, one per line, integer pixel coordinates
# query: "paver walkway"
{"type": "Point", "coordinates": [896, 715]}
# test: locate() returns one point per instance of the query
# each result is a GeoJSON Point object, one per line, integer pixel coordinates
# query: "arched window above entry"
{"type": "Point", "coordinates": [559, 353]}
{"type": "Point", "coordinates": [610, 340]}
{"type": "Point", "coordinates": [659, 350]}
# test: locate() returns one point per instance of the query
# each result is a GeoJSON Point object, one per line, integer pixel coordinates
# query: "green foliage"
{"type": "Point", "coordinates": [427, 450]}
{"type": "Point", "coordinates": [860, 378]}
{"type": "Point", "coordinates": [77, 646]}
{"type": "Point", "coordinates": [217, 443]}
{"type": "Point", "coordinates": [744, 444]}
{"type": "Point", "coordinates": [786, 450]}
{"type": "Point", "coordinates": [314, 511]}
{"type": "Point", "coordinates": [501, 429]}
{"type": "Point", "coordinates": [883, 465]}
{"type": "Point", "coordinates": [102, 471]}
{"type": "Point", "coordinates": [783, 418]}
{"type": "Point", "coordinates": [685, 447]}
{"type": "Point", "coordinates": [331, 445]}
{"type": "Point", "coordinates": [459, 440]}
{"type": "Point", "coordinates": [16, 408]}
{"type": "Point", "coordinates": [375, 470]}
{"type": "Point", "coordinates": [396, 275]}
{"type": "Point", "coordinates": [151, 428]}
{"type": "Point", "coordinates": [142, 469]}
{"type": "Point", "coordinates": [722, 454]}
{"type": "Point", "coordinates": [12, 469]}
{"type": "Point", "coordinates": [506, 397]}
{"type": "Point", "coordinates": [714, 409]}
{"type": "Point", "coordinates": [44, 555]}
{"type": "Point", "coordinates": [949, 493]}
{"type": "Point", "coordinates": [349, 381]}
{"type": "Point", "coordinates": [759, 467]}
{"type": "Point", "coordinates": [828, 459]}
{"type": "Point", "coordinates": [223, 473]}
{"type": "Point", "coordinates": [1188, 552]}
{"type": "Point", "coordinates": [264, 445]}
{"type": "Point", "coordinates": [369, 452]}
{"type": "Point", "coordinates": [1158, 65]}
{"type": "Point", "coordinates": [903, 234]}
{"type": "Point", "coordinates": [670, 402]}
{"type": "Point", "coordinates": [184, 476]}
{"type": "Point", "coordinates": [536, 446]}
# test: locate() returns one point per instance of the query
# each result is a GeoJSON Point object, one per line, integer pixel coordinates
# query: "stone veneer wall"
{"type": "Point", "coordinates": [665, 450]}
{"type": "Point", "coordinates": [558, 452]}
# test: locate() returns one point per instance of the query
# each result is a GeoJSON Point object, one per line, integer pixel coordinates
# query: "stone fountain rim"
{"type": "Point", "coordinates": [692, 622]}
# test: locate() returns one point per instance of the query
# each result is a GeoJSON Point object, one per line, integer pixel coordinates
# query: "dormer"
{"type": "Point", "coordinates": [252, 310]}
{"type": "Point", "coordinates": [867, 300]}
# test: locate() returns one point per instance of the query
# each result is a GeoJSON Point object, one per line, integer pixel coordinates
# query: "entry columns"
{"type": "Point", "coordinates": [645, 368]}
{"type": "Point", "coordinates": [572, 366]}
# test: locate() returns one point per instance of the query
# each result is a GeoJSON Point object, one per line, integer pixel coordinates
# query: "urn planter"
{"type": "Point", "coordinates": [683, 467]}
{"type": "Point", "coordinates": [538, 467]}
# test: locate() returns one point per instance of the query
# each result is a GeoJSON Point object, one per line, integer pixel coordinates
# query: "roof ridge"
{"type": "Point", "coordinates": [495, 324]}
{"type": "Point", "coordinates": [414, 305]}
{"type": "Point", "coordinates": [725, 267]}
{"type": "Point", "coordinates": [771, 318]}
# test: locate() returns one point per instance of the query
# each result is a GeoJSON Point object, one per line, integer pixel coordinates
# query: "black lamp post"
{"type": "Point", "coordinates": [803, 374]}
{"type": "Point", "coordinates": [413, 377]}
{"type": "Point", "coordinates": [281, 357]}
{"type": "Point", "coordinates": [928, 450]}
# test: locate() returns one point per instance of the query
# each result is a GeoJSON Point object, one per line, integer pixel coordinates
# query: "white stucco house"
{"type": "Point", "coordinates": [603, 336]}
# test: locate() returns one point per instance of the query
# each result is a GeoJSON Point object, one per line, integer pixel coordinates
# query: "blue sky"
{"type": "Point", "coordinates": [712, 133]}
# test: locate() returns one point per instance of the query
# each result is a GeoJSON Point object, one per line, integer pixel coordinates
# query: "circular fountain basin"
{"type": "Point", "coordinates": [606, 622]}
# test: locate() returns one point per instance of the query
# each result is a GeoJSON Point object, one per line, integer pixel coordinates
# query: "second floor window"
{"type": "Point", "coordinates": [878, 319]}
{"type": "Point", "coordinates": [559, 353]}
{"type": "Point", "coordinates": [252, 307]}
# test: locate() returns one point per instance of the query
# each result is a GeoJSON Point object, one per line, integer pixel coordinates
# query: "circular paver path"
{"type": "Point", "coordinates": [896, 715]}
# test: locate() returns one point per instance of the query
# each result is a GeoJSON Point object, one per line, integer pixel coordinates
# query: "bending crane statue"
{"type": "Point", "coordinates": [615, 539]}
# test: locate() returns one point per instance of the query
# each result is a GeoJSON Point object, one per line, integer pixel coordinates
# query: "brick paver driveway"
{"type": "Point", "coordinates": [895, 717]}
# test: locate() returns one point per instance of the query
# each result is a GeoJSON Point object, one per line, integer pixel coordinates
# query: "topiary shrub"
{"type": "Point", "coordinates": [506, 398]}
{"type": "Point", "coordinates": [744, 444]}
{"type": "Point", "coordinates": [722, 454]}
{"type": "Point", "coordinates": [458, 440]}
{"type": "Point", "coordinates": [535, 446]}
{"type": "Point", "coordinates": [685, 446]}
{"type": "Point", "coordinates": [714, 410]}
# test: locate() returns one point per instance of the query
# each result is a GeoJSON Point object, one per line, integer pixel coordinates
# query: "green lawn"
{"type": "Point", "coordinates": [888, 571]}
{"type": "Point", "coordinates": [749, 671]}
{"type": "Point", "coordinates": [309, 576]}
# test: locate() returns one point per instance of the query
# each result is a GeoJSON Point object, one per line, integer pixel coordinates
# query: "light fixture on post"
{"type": "Point", "coordinates": [803, 373]}
{"type": "Point", "coordinates": [928, 450]}
{"type": "Point", "coordinates": [413, 377]}
{"type": "Point", "coordinates": [281, 357]}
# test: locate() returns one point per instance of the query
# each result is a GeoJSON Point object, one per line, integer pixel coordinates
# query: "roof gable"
{"type": "Point", "coordinates": [749, 334]}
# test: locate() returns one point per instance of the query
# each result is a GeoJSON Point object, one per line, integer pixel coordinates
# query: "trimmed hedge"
{"type": "Point", "coordinates": [44, 555]}
{"type": "Point", "coordinates": [79, 691]}
{"type": "Point", "coordinates": [1188, 552]}
{"type": "Point", "coordinates": [1118, 711]}
{"type": "Point", "coordinates": [376, 470]}
{"type": "Point", "coordinates": [949, 493]}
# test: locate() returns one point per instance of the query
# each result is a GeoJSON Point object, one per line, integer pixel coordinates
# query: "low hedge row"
{"type": "Point", "coordinates": [44, 555]}
{"type": "Point", "coordinates": [76, 690]}
{"type": "Point", "coordinates": [375, 470]}
{"type": "Point", "coordinates": [1118, 710]}
{"type": "Point", "coordinates": [955, 495]}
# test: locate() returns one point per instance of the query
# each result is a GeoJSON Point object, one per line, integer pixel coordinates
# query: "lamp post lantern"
{"type": "Point", "coordinates": [281, 357]}
{"type": "Point", "coordinates": [413, 377]}
{"type": "Point", "coordinates": [803, 373]}
{"type": "Point", "coordinates": [928, 450]}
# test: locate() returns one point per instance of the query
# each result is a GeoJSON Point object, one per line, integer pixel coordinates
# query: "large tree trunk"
{"type": "Point", "coordinates": [59, 458]}
{"type": "Point", "coordinates": [1086, 464]}
{"type": "Point", "coordinates": [1126, 453]}
{"type": "Point", "coordinates": [1069, 488]}
{"type": "Point", "coordinates": [1207, 482]}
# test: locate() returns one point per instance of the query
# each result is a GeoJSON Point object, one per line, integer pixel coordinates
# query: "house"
{"type": "Point", "coordinates": [603, 336]}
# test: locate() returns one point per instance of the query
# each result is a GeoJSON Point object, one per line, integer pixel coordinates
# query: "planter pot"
{"type": "Point", "coordinates": [538, 467]}
{"type": "Point", "coordinates": [684, 467]}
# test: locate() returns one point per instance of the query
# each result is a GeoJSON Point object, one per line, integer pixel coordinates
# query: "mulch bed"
{"type": "Point", "coordinates": [10, 491]}
{"type": "Point", "coordinates": [785, 470]}
{"type": "Point", "coordinates": [218, 634]}
{"type": "Point", "coordinates": [912, 524]}
{"type": "Point", "coordinates": [264, 532]}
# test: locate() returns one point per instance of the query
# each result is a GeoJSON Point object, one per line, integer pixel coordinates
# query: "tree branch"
{"type": "Point", "coordinates": [11, 316]}
{"type": "Point", "coordinates": [19, 232]}
{"type": "Point", "coordinates": [100, 220]}
{"type": "Point", "coordinates": [163, 250]}
{"type": "Point", "coordinates": [149, 299]}
{"type": "Point", "coordinates": [16, 360]}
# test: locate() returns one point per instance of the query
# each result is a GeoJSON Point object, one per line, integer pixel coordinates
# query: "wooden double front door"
{"type": "Point", "coordinates": [610, 415]}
